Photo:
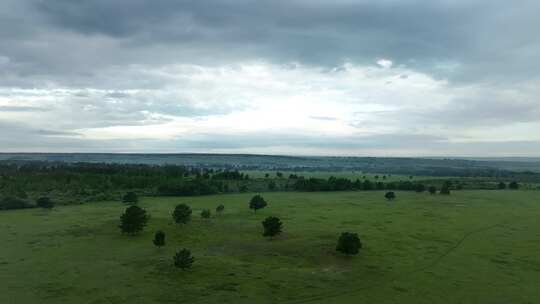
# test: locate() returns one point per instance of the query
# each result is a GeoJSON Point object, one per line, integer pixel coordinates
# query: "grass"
{"type": "Point", "coordinates": [470, 247]}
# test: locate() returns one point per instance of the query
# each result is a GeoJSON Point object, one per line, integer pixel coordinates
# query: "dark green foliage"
{"type": "Point", "coordinates": [10, 202]}
{"type": "Point", "coordinates": [133, 220]}
{"type": "Point", "coordinates": [272, 185]}
{"type": "Point", "coordinates": [205, 213]}
{"type": "Point", "coordinates": [191, 188]}
{"type": "Point", "coordinates": [279, 174]}
{"type": "Point", "coordinates": [182, 214]}
{"type": "Point", "coordinates": [349, 243]}
{"type": "Point", "coordinates": [257, 202]}
{"type": "Point", "coordinates": [45, 202]}
{"type": "Point", "coordinates": [183, 259]}
{"type": "Point", "coordinates": [159, 238]}
{"type": "Point", "coordinates": [272, 226]}
{"type": "Point", "coordinates": [445, 190]}
{"type": "Point", "coordinates": [501, 185]}
{"type": "Point", "coordinates": [419, 188]}
{"type": "Point", "coordinates": [130, 198]}
{"type": "Point", "coordinates": [513, 185]}
{"type": "Point", "coordinates": [220, 208]}
{"type": "Point", "coordinates": [390, 195]}
{"type": "Point", "coordinates": [229, 175]}
{"type": "Point", "coordinates": [432, 190]}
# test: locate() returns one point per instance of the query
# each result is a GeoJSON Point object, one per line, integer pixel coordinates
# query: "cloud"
{"type": "Point", "coordinates": [449, 73]}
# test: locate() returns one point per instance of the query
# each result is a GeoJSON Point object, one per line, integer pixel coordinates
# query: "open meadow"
{"type": "Point", "coordinates": [468, 247]}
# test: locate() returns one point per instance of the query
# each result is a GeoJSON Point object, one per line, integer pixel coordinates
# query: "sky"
{"type": "Point", "coordinates": [291, 77]}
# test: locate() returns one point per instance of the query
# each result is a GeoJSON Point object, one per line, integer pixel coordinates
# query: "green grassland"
{"type": "Point", "coordinates": [469, 247]}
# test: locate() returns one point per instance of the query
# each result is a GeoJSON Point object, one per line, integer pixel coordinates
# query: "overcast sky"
{"type": "Point", "coordinates": [302, 77]}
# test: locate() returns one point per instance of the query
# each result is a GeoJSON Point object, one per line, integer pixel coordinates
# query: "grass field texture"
{"type": "Point", "coordinates": [469, 247]}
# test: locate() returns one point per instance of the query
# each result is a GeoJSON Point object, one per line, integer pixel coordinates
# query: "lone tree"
{"type": "Point", "coordinates": [220, 208]}
{"type": "Point", "coordinates": [205, 213]}
{"type": "Point", "coordinates": [45, 202]}
{"type": "Point", "coordinates": [257, 202]}
{"type": "Point", "coordinates": [501, 185]}
{"type": "Point", "coordinates": [349, 243]}
{"type": "Point", "coordinates": [159, 239]}
{"type": "Point", "coordinates": [513, 185]}
{"type": "Point", "coordinates": [130, 198]}
{"type": "Point", "coordinates": [133, 220]}
{"type": "Point", "coordinates": [432, 190]}
{"type": "Point", "coordinates": [183, 259]}
{"type": "Point", "coordinates": [390, 195]}
{"type": "Point", "coordinates": [272, 226]}
{"type": "Point", "coordinates": [182, 214]}
{"type": "Point", "coordinates": [445, 190]}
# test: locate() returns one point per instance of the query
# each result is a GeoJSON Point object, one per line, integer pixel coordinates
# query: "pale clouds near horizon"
{"type": "Point", "coordinates": [321, 82]}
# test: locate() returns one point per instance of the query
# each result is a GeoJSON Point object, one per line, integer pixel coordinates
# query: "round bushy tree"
{"type": "Point", "coordinates": [349, 243]}
{"type": "Point", "coordinates": [220, 208]}
{"type": "Point", "coordinates": [272, 226]}
{"type": "Point", "coordinates": [501, 185]}
{"type": "Point", "coordinates": [159, 238]}
{"type": "Point", "coordinates": [419, 188]}
{"type": "Point", "coordinates": [257, 202]}
{"type": "Point", "coordinates": [182, 214]}
{"type": "Point", "coordinates": [130, 198]}
{"type": "Point", "coordinates": [205, 213]}
{"type": "Point", "coordinates": [183, 259]}
{"type": "Point", "coordinates": [133, 220]}
{"type": "Point", "coordinates": [432, 190]}
{"type": "Point", "coordinates": [45, 202]}
{"type": "Point", "coordinates": [513, 185]}
{"type": "Point", "coordinates": [390, 195]}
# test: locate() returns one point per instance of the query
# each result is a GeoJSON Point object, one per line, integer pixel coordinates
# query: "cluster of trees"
{"type": "Point", "coordinates": [135, 218]}
{"type": "Point", "coordinates": [10, 202]}
{"type": "Point", "coordinates": [343, 184]}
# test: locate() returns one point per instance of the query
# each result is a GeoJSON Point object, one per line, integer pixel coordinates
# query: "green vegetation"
{"type": "Point", "coordinates": [272, 226]}
{"type": "Point", "coordinates": [220, 208]}
{"type": "Point", "coordinates": [469, 247]}
{"type": "Point", "coordinates": [205, 213]}
{"type": "Point", "coordinates": [159, 239]}
{"type": "Point", "coordinates": [183, 259]}
{"type": "Point", "coordinates": [349, 243]}
{"type": "Point", "coordinates": [130, 198]}
{"type": "Point", "coordinates": [257, 202]}
{"type": "Point", "coordinates": [182, 214]}
{"type": "Point", "coordinates": [133, 220]}
{"type": "Point", "coordinates": [45, 202]}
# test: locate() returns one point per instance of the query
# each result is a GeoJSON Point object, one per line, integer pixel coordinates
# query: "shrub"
{"type": "Point", "coordinates": [133, 220]}
{"type": "Point", "coordinates": [513, 185]}
{"type": "Point", "coordinates": [183, 259]}
{"type": "Point", "coordinates": [432, 190]}
{"type": "Point", "coordinates": [445, 190]}
{"type": "Point", "coordinates": [419, 188]}
{"type": "Point", "coordinates": [390, 195]}
{"type": "Point", "coordinates": [205, 213]}
{"type": "Point", "coordinates": [45, 202]}
{"type": "Point", "coordinates": [159, 238]}
{"type": "Point", "coordinates": [501, 185]}
{"type": "Point", "coordinates": [182, 214]}
{"type": "Point", "coordinates": [257, 202]}
{"type": "Point", "coordinates": [272, 226]}
{"type": "Point", "coordinates": [130, 198]}
{"type": "Point", "coordinates": [220, 208]}
{"type": "Point", "coordinates": [9, 202]}
{"type": "Point", "coordinates": [349, 243]}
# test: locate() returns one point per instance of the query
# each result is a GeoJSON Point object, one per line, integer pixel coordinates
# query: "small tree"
{"type": "Point", "coordinates": [130, 198]}
{"type": "Point", "coordinates": [349, 243]}
{"type": "Point", "coordinates": [272, 185]}
{"type": "Point", "coordinates": [432, 190]}
{"type": "Point", "coordinates": [159, 239]}
{"type": "Point", "coordinates": [390, 195]}
{"type": "Point", "coordinates": [257, 202]}
{"type": "Point", "coordinates": [133, 220]}
{"type": "Point", "coordinates": [205, 213]}
{"type": "Point", "coordinates": [45, 202]}
{"type": "Point", "coordinates": [272, 226]}
{"type": "Point", "coordinates": [220, 208]}
{"type": "Point", "coordinates": [445, 190]}
{"type": "Point", "coordinates": [183, 259]}
{"type": "Point", "coordinates": [182, 214]}
{"type": "Point", "coordinates": [501, 186]}
{"type": "Point", "coordinates": [513, 185]}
